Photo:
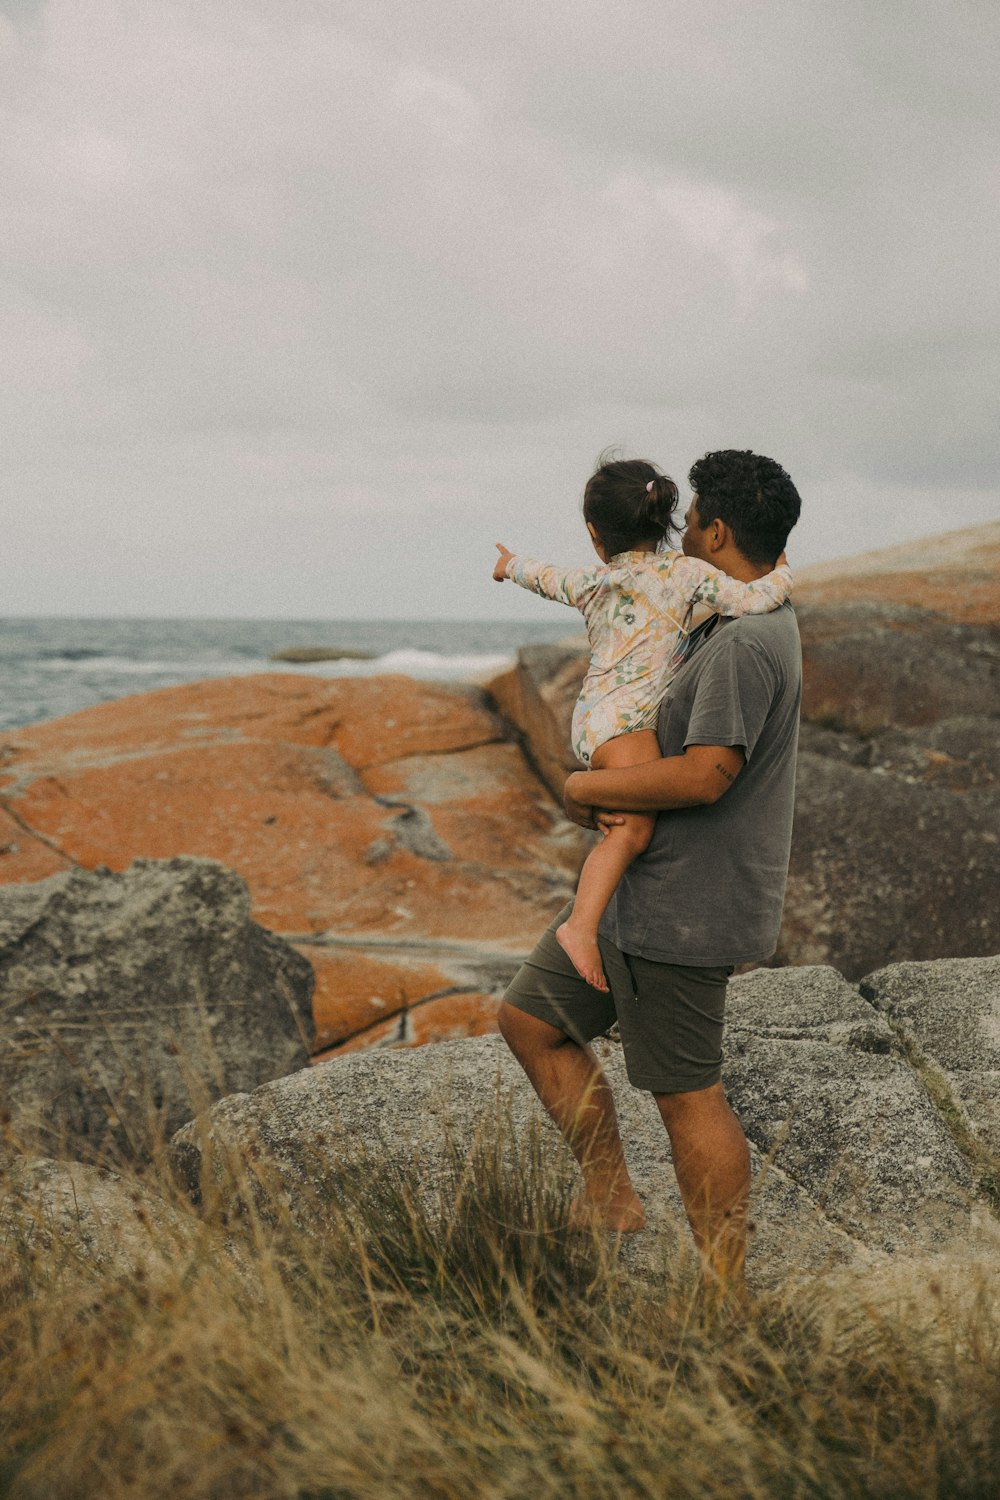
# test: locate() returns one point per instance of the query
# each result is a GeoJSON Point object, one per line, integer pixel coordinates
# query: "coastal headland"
{"type": "Point", "coordinates": [406, 838]}
{"type": "Point", "coordinates": [233, 912]}
{"type": "Point", "coordinates": [393, 831]}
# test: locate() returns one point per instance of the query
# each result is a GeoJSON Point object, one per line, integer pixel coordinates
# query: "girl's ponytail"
{"type": "Point", "coordinates": [656, 510]}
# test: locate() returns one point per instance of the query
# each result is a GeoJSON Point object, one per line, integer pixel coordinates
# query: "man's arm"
{"type": "Point", "coordinates": [702, 775]}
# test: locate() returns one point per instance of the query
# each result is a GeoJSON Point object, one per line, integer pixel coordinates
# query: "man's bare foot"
{"type": "Point", "coordinates": [584, 954]}
{"type": "Point", "coordinates": [623, 1214]}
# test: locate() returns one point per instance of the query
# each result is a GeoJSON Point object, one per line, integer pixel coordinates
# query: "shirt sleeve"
{"type": "Point", "coordinates": [728, 596]}
{"type": "Point", "coordinates": [574, 586]}
{"type": "Point", "coordinates": [735, 691]}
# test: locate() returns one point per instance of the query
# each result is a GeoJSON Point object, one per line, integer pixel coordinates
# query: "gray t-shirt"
{"type": "Point", "coordinates": [709, 889]}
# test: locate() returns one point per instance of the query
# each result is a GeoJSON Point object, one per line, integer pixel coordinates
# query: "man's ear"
{"type": "Point", "coordinates": [719, 535]}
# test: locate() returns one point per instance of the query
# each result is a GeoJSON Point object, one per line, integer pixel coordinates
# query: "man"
{"type": "Point", "coordinates": [706, 895]}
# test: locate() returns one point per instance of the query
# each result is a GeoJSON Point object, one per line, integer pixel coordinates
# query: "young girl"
{"type": "Point", "coordinates": [638, 607]}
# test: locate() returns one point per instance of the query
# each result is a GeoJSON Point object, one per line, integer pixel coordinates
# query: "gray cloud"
{"type": "Point", "coordinates": [293, 298]}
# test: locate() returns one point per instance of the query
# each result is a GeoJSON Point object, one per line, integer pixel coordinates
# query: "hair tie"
{"type": "Point", "coordinates": [649, 487]}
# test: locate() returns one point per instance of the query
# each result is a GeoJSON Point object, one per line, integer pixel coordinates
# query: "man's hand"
{"type": "Point", "coordinates": [577, 812]}
{"type": "Point", "coordinates": [589, 817]}
{"type": "Point", "coordinates": [500, 567]}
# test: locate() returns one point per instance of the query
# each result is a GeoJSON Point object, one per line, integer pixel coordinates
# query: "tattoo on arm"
{"type": "Point", "coordinates": [723, 772]}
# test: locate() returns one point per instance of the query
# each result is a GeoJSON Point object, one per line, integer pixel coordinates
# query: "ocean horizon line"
{"type": "Point", "coordinates": [485, 620]}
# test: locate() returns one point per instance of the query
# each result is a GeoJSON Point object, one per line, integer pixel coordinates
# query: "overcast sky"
{"type": "Point", "coordinates": [305, 304]}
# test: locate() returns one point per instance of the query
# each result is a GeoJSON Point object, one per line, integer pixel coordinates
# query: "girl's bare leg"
{"type": "Point", "coordinates": [607, 862]}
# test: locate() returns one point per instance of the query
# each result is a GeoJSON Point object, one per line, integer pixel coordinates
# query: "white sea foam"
{"type": "Point", "coordinates": [467, 666]}
{"type": "Point", "coordinates": [412, 663]}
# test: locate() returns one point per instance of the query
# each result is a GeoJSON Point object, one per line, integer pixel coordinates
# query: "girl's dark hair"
{"type": "Point", "coordinates": [620, 507]}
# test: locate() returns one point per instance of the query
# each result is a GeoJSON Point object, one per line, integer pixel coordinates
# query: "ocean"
{"type": "Point", "coordinates": [55, 666]}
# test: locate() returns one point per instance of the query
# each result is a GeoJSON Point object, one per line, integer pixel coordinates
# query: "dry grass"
{"type": "Point", "coordinates": [459, 1341]}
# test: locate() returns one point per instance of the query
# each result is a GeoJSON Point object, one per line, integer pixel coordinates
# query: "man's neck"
{"type": "Point", "coordinates": [736, 565]}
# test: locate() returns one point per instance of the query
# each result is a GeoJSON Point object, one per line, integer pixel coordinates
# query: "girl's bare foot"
{"type": "Point", "coordinates": [622, 1214]}
{"type": "Point", "coordinates": [584, 954]}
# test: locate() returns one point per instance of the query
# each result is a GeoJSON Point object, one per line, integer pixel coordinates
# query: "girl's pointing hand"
{"type": "Point", "coordinates": [500, 568]}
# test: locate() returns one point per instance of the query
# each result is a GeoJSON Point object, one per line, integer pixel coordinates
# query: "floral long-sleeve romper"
{"type": "Point", "coordinates": [638, 611]}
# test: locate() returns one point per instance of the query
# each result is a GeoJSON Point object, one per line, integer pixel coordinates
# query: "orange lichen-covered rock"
{"type": "Point", "coordinates": [372, 993]}
{"type": "Point", "coordinates": [956, 575]}
{"type": "Point", "coordinates": [358, 989]}
{"type": "Point", "coordinates": [362, 812]}
{"type": "Point", "coordinates": [24, 857]}
{"type": "Point", "coordinates": [444, 1019]}
{"type": "Point", "coordinates": [369, 719]}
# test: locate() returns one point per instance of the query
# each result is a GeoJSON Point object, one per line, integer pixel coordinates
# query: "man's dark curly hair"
{"type": "Point", "coordinates": [752, 495]}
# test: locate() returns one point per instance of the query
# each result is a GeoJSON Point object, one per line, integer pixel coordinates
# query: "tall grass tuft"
{"type": "Point", "coordinates": [449, 1337]}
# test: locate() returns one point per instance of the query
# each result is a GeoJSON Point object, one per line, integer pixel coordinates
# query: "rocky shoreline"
{"type": "Point", "coordinates": [248, 900]}
{"type": "Point", "coordinates": [873, 1109]}
{"type": "Point", "coordinates": [392, 830]}
{"type": "Point", "coordinates": [405, 837]}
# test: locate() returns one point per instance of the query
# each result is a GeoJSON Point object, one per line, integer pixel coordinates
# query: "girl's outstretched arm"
{"type": "Point", "coordinates": [728, 596]}
{"type": "Point", "coordinates": [573, 586]}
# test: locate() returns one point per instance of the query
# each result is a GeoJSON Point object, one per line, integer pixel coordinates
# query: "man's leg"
{"type": "Point", "coordinates": [712, 1162]}
{"type": "Point", "coordinates": [571, 1085]}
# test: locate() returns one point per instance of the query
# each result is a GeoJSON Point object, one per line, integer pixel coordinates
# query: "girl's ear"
{"type": "Point", "coordinates": [598, 544]}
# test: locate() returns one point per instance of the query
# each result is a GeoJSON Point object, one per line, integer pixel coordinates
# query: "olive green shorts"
{"type": "Point", "coordinates": [670, 1017]}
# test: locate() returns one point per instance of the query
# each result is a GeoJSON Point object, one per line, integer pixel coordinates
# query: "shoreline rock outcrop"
{"type": "Point", "coordinates": [955, 575]}
{"type": "Point", "coordinates": [306, 654]}
{"type": "Point", "coordinates": [948, 1015]}
{"type": "Point", "coordinates": [853, 1157]}
{"type": "Point", "coordinates": [127, 1001]}
{"type": "Point", "coordinates": [391, 830]}
{"type": "Point", "coordinates": [886, 866]}
{"type": "Point", "coordinates": [871, 667]}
